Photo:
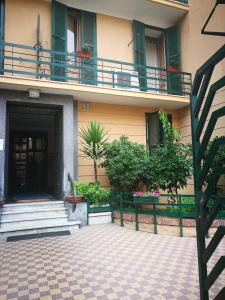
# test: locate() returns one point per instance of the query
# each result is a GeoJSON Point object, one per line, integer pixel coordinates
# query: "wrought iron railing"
{"type": "Point", "coordinates": [44, 64]}
{"type": "Point", "coordinates": [204, 122]}
{"type": "Point", "coordinates": [180, 206]}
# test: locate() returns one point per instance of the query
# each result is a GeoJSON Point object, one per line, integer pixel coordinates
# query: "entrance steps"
{"type": "Point", "coordinates": [38, 217]}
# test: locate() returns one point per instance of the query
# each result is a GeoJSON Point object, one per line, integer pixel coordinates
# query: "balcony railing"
{"type": "Point", "coordinates": [43, 64]}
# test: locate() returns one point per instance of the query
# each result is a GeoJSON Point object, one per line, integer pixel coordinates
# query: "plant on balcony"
{"type": "Point", "coordinates": [93, 141]}
{"type": "Point", "coordinates": [124, 163]}
{"type": "Point", "coordinates": [84, 52]}
{"type": "Point", "coordinates": [173, 66]}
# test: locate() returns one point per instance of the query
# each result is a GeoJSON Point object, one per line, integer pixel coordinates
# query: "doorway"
{"type": "Point", "coordinates": [34, 151]}
{"type": "Point", "coordinates": [156, 58]}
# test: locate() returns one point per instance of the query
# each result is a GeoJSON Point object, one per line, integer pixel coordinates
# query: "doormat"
{"type": "Point", "coordinates": [37, 236]}
{"type": "Point", "coordinates": [31, 197]}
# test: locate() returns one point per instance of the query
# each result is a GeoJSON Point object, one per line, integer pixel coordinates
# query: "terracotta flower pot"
{"type": "Point", "coordinates": [81, 54]}
{"type": "Point", "coordinates": [172, 69]}
{"type": "Point", "coordinates": [75, 199]}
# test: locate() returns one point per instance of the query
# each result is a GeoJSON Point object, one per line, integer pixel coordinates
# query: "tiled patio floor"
{"type": "Point", "coordinates": [102, 262]}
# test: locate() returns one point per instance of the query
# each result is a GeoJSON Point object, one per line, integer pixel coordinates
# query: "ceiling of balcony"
{"type": "Point", "coordinates": [146, 11]}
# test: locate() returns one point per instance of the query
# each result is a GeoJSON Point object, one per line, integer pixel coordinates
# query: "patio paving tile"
{"type": "Point", "coordinates": [103, 262]}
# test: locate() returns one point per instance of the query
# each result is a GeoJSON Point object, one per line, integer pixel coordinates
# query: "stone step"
{"type": "Point", "coordinates": [32, 222]}
{"type": "Point", "coordinates": [37, 224]}
{"type": "Point", "coordinates": [68, 225]}
{"type": "Point", "coordinates": [23, 207]}
{"type": "Point", "coordinates": [32, 215]}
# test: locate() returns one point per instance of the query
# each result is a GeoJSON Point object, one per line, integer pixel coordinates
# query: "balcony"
{"type": "Point", "coordinates": [47, 66]}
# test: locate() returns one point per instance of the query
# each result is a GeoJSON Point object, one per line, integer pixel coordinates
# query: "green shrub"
{"type": "Point", "coordinates": [169, 165]}
{"type": "Point", "coordinates": [93, 192]}
{"type": "Point", "coordinates": [124, 163]}
{"type": "Point", "coordinates": [184, 200]}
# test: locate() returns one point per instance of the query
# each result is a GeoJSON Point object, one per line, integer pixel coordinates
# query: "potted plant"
{"type": "Point", "coordinates": [84, 52]}
{"type": "Point", "coordinates": [72, 196]}
{"type": "Point", "coordinates": [173, 67]}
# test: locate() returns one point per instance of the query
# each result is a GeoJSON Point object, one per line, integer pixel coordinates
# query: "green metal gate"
{"type": "Point", "coordinates": [208, 203]}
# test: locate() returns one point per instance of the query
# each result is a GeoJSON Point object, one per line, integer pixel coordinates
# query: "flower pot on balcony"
{"type": "Point", "coordinates": [172, 69]}
{"type": "Point", "coordinates": [84, 54]}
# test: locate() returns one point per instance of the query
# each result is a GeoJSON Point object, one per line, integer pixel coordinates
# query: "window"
{"type": "Point", "coordinates": [73, 32]}
{"type": "Point", "coordinates": [154, 129]}
{"type": "Point", "coordinates": [155, 58]}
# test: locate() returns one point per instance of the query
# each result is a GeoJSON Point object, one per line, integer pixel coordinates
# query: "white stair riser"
{"type": "Point", "coordinates": [30, 208]}
{"type": "Point", "coordinates": [32, 215]}
{"type": "Point", "coordinates": [33, 224]}
{"type": "Point", "coordinates": [71, 228]}
{"type": "Point", "coordinates": [34, 203]}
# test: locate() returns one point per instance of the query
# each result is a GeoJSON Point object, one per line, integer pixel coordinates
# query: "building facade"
{"type": "Point", "coordinates": [65, 63]}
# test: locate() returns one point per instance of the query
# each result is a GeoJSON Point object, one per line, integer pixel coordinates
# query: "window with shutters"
{"type": "Point", "coordinates": [154, 129]}
{"type": "Point", "coordinates": [71, 30]}
{"type": "Point", "coordinates": [158, 49]}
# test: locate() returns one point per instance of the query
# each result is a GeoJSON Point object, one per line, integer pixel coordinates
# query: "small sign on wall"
{"type": "Point", "coordinates": [1, 144]}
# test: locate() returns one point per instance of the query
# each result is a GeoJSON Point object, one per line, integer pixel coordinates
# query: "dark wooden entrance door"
{"type": "Point", "coordinates": [28, 162]}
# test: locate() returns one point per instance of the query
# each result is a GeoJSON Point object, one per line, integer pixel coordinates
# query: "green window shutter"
{"type": "Point", "coordinates": [152, 126]}
{"type": "Point", "coordinates": [89, 37]}
{"type": "Point", "coordinates": [154, 129]}
{"type": "Point", "coordinates": [140, 52]}
{"type": "Point", "coordinates": [59, 33]}
{"type": "Point", "coordinates": [174, 84]}
{"type": "Point", "coordinates": [2, 25]}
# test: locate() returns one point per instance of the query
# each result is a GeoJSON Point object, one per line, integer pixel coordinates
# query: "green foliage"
{"type": "Point", "coordinates": [169, 165]}
{"type": "Point", "coordinates": [93, 191]}
{"type": "Point", "coordinates": [218, 161]}
{"type": "Point", "coordinates": [190, 201]}
{"type": "Point", "coordinates": [93, 140]}
{"type": "Point", "coordinates": [124, 163]}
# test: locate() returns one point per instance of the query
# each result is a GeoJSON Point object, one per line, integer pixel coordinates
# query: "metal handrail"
{"type": "Point", "coordinates": [40, 63]}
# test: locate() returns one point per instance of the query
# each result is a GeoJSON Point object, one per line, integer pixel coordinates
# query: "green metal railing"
{"type": "Point", "coordinates": [175, 207]}
{"type": "Point", "coordinates": [44, 64]}
{"type": "Point", "coordinates": [203, 125]}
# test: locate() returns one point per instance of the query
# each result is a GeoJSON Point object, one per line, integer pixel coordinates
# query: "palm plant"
{"type": "Point", "coordinates": [93, 140]}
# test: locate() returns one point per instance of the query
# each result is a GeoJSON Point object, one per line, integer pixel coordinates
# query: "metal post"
{"type": "Point", "coordinates": [180, 216]}
{"type": "Point", "coordinates": [136, 216]}
{"type": "Point", "coordinates": [121, 209]}
{"type": "Point", "coordinates": [154, 218]}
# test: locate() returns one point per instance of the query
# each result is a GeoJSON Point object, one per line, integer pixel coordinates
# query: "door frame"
{"type": "Point", "coordinates": [59, 116]}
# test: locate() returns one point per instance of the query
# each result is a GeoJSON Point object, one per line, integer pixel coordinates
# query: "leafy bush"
{"type": "Point", "coordinates": [184, 200]}
{"type": "Point", "coordinates": [218, 162]}
{"type": "Point", "coordinates": [92, 191]}
{"type": "Point", "coordinates": [124, 163]}
{"type": "Point", "coordinates": [169, 165]}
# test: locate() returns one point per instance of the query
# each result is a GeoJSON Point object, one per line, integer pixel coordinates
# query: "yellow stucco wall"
{"type": "Point", "coordinates": [119, 120]}
{"type": "Point", "coordinates": [113, 34]}
{"type": "Point", "coordinates": [195, 50]}
{"type": "Point", "coordinates": [21, 22]}
{"type": "Point", "coordinates": [113, 38]}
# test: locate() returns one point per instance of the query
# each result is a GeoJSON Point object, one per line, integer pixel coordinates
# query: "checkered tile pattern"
{"type": "Point", "coordinates": [102, 262]}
